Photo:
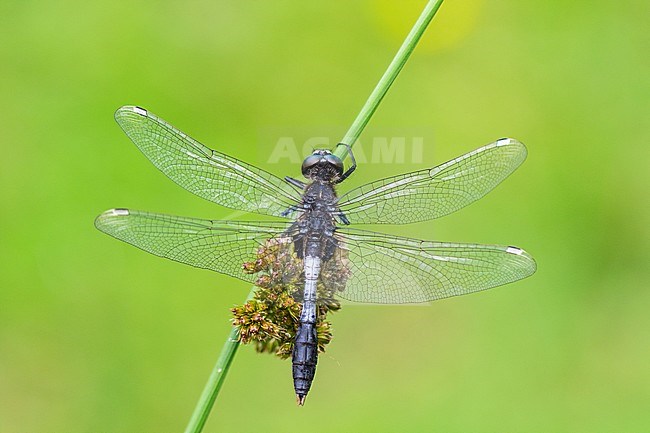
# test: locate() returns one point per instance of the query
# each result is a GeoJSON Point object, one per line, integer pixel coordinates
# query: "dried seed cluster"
{"type": "Point", "coordinates": [270, 320]}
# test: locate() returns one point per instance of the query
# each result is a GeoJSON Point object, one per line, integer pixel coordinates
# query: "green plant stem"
{"type": "Point", "coordinates": [218, 375]}
{"type": "Point", "coordinates": [389, 76]}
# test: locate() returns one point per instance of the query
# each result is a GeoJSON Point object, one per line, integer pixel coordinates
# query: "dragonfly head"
{"type": "Point", "coordinates": [322, 164]}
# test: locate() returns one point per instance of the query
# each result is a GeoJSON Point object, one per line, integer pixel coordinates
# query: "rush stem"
{"type": "Point", "coordinates": [216, 379]}
{"type": "Point", "coordinates": [388, 78]}
{"type": "Point", "coordinates": [218, 375]}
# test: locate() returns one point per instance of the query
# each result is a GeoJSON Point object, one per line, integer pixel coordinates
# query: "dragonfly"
{"type": "Point", "coordinates": [318, 225]}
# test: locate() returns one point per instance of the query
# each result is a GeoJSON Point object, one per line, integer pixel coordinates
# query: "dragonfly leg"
{"type": "Point", "coordinates": [295, 182]}
{"type": "Point", "coordinates": [343, 218]}
{"type": "Point", "coordinates": [352, 167]}
{"type": "Point", "coordinates": [289, 210]}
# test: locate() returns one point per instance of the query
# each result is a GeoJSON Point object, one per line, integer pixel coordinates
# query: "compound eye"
{"type": "Point", "coordinates": [336, 162]}
{"type": "Point", "coordinates": [310, 162]}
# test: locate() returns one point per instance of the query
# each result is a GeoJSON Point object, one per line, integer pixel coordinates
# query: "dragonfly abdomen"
{"type": "Point", "coordinates": [305, 357]}
{"type": "Point", "coordinates": [305, 350]}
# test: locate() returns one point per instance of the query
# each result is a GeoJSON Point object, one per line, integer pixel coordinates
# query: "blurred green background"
{"type": "Point", "coordinates": [96, 335]}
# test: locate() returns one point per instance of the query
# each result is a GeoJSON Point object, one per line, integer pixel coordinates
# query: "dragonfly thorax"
{"type": "Point", "coordinates": [322, 165]}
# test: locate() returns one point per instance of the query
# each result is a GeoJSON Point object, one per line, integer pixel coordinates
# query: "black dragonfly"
{"type": "Point", "coordinates": [371, 267]}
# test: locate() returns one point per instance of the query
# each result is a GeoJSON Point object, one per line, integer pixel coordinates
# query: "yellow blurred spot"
{"type": "Point", "coordinates": [452, 23]}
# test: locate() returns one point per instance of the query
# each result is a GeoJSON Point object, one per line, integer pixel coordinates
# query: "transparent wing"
{"type": "Point", "coordinates": [221, 246]}
{"type": "Point", "coordinates": [387, 269]}
{"type": "Point", "coordinates": [432, 193]}
{"type": "Point", "coordinates": [203, 171]}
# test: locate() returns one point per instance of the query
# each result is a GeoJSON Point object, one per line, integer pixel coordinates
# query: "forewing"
{"type": "Point", "coordinates": [203, 171]}
{"type": "Point", "coordinates": [432, 193]}
{"type": "Point", "coordinates": [221, 246]}
{"type": "Point", "coordinates": [387, 269]}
